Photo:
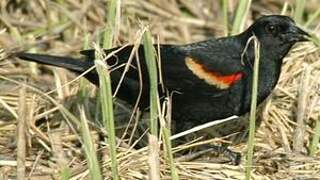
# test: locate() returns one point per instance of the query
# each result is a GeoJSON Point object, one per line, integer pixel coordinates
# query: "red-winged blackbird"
{"type": "Point", "coordinates": [213, 78]}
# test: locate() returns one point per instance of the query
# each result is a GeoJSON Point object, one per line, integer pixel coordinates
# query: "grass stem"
{"type": "Point", "coordinates": [253, 109]}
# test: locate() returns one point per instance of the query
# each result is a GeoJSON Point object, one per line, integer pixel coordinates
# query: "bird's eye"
{"type": "Point", "coordinates": [271, 29]}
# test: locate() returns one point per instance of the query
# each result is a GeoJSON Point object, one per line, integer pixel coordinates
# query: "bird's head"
{"type": "Point", "coordinates": [277, 30]}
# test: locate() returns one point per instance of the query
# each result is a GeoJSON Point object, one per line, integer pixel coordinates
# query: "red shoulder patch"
{"type": "Point", "coordinates": [210, 77]}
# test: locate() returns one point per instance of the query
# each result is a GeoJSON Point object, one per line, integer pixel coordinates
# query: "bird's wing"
{"type": "Point", "coordinates": [222, 56]}
{"type": "Point", "coordinates": [216, 63]}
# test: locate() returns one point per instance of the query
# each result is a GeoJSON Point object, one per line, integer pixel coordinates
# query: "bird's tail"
{"type": "Point", "coordinates": [73, 64]}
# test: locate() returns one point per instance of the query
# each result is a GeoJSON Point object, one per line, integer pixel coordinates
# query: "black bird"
{"type": "Point", "coordinates": [213, 78]}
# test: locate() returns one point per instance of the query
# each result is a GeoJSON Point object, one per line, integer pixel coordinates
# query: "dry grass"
{"type": "Point", "coordinates": [281, 151]}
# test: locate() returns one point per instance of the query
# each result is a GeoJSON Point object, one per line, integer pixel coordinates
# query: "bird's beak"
{"type": "Point", "coordinates": [296, 34]}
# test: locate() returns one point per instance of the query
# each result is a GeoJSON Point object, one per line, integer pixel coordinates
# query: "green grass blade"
{"type": "Point", "coordinates": [240, 17]}
{"type": "Point", "coordinates": [149, 53]}
{"type": "Point", "coordinates": [315, 39]}
{"type": "Point", "coordinates": [168, 150]}
{"type": "Point", "coordinates": [65, 173]}
{"type": "Point", "coordinates": [89, 149]}
{"type": "Point", "coordinates": [253, 108]}
{"type": "Point", "coordinates": [315, 139]}
{"type": "Point", "coordinates": [105, 95]}
{"type": "Point", "coordinates": [284, 8]}
{"type": "Point", "coordinates": [299, 10]}
{"type": "Point", "coordinates": [111, 19]}
{"type": "Point", "coordinates": [225, 6]}
{"type": "Point", "coordinates": [107, 111]}
{"type": "Point", "coordinates": [312, 18]}
{"type": "Point", "coordinates": [107, 38]}
{"type": "Point", "coordinates": [83, 92]}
